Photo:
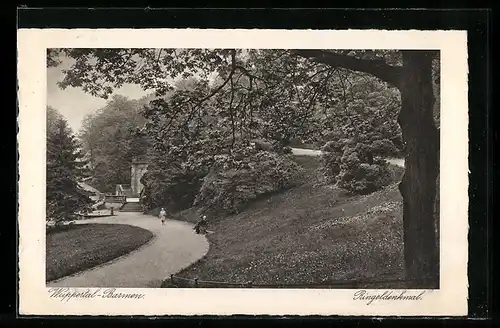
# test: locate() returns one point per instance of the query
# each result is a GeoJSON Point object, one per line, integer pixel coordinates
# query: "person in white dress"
{"type": "Point", "coordinates": [163, 216]}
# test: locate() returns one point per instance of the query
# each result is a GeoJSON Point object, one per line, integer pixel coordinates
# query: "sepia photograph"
{"type": "Point", "coordinates": [242, 168]}
{"type": "Point", "coordinates": [257, 168]}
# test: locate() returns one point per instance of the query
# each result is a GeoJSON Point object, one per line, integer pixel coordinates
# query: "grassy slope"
{"type": "Point", "coordinates": [83, 246]}
{"type": "Point", "coordinates": [308, 234]}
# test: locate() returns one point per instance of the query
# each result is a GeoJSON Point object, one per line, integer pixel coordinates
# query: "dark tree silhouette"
{"type": "Point", "coordinates": [64, 170]}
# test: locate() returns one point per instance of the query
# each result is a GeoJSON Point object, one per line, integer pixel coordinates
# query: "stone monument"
{"type": "Point", "coordinates": [139, 167]}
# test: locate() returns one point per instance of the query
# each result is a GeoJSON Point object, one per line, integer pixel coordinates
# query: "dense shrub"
{"type": "Point", "coordinates": [330, 158]}
{"type": "Point", "coordinates": [175, 191]}
{"type": "Point", "coordinates": [287, 150]}
{"type": "Point", "coordinates": [170, 183]}
{"type": "Point", "coordinates": [261, 144]}
{"type": "Point", "coordinates": [359, 177]}
{"type": "Point", "coordinates": [175, 175]}
{"type": "Point", "coordinates": [177, 167]}
{"type": "Point", "coordinates": [238, 178]}
{"type": "Point", "coordinates": [383, 147]}
{"type": "Point", "coordinates": [336, 158]}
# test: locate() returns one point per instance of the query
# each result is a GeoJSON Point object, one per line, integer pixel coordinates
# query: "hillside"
{"type": "Point", "coordinates": [309, 234]}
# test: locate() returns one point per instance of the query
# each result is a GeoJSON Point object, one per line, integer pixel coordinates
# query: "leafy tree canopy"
{"type": "Point", "coordinates": [110, 141]}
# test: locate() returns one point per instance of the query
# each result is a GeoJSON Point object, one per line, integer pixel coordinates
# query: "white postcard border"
{"type": "Point", "coordinates": [449, 300]}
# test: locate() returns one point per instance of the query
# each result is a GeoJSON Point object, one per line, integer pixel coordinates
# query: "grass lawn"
{"type": "Point", "coordinates": [311, 234]}
{"type": "Point", "coordinates": [74, 248]}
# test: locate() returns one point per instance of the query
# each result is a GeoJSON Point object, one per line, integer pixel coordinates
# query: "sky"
{"type": "Point", "coordinates": [73, 103]}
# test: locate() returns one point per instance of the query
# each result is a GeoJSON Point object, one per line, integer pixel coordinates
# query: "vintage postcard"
{"type": "Point", "coordinates": [261, 172]}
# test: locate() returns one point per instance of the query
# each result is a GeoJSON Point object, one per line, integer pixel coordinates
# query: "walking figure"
{"type": "Point", "coordinates": [163, 216]}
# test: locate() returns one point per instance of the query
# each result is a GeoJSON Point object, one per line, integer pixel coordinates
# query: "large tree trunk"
{"type": "Point", "coordinates": [418, 186]}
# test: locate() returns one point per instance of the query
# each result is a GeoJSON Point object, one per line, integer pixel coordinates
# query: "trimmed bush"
{"type": "Point", "coordinates": [383, 147]}
{"type": "Point", "coordinates": [358, 177]}
{"type": "Point", "coordinates": [354, 166]}
{"type": "Point", "coordinates": [236, 180]}
{"type": "Point", "coordinates": [287, 150]}
{"type": "Point", "coordinates": [330, 158]}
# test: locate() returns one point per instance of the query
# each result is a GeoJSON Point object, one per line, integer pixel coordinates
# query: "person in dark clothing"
{"type": "Point", "coordinates": [201, 226]}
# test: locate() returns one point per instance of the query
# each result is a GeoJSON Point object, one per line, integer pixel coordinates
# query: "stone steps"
{"type": "Point", "coordinates": [131, 207]}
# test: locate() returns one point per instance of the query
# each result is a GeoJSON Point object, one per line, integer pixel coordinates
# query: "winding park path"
{"type": "Point", "coordinates": [173, 247]}
{"type": "Point", "coordinates": [311, 152]}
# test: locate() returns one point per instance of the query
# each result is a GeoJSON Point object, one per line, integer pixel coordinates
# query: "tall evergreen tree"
{"type": "Point", "coordinates": [64, 170]}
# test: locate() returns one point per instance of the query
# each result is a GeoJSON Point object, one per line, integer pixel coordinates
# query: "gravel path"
{"type": "Point", "coordinates": [312, 152]}
{"type": "Point", "coordinates": [396, 161]}
{"type": "Point", "coordinates": [174, 247]}
{"type": "Point", "coordinates": [306, 152]}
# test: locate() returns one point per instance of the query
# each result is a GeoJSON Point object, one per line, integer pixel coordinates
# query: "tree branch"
{"type": "Point", "coordinates": [229, 77]}
{"type": "Point", "coordinates": [199, 102]}
{"type": "Point", "coordinates": [233, 64]}
{"type": "Point", "coordinates": [375, 67]}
